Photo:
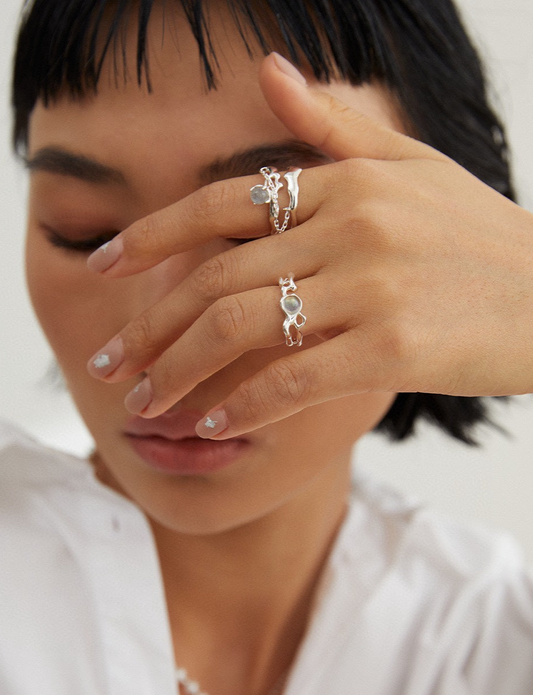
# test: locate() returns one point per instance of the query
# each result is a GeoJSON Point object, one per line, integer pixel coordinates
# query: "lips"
{"type": "Point", "coordinates": [169, 443]}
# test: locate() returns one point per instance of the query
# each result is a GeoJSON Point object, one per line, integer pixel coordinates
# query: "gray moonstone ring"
{"type": "Point", "coordinates": [291, 305]}
{"type": "Point", "coordinates": [268, 192]}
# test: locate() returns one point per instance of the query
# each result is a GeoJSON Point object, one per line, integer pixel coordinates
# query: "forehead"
{"type": "Point", "coordinates": [178, 126]}
{"type": "Point", "coordinates": [178, 89]}
{"type": "Point", "coordinates": [178, 120]}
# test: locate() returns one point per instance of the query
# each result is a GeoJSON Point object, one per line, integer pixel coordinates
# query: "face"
{"type": "Point", "coordinates": [160, 141]}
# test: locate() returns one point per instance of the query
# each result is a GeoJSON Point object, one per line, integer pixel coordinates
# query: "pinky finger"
{"type": "Point", "coordinates": [332, 369]}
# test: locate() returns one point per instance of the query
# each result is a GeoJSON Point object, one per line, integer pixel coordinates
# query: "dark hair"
{"type": "Point", "coordinates": [417, 48]}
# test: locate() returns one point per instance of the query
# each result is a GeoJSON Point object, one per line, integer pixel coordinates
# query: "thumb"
{"type": "Point", "coordinates": [324, 121]}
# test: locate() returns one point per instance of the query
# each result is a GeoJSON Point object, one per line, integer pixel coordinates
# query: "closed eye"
{"type": "Point", "coordinates": [92, 243]}
{"type": "Point", "coordinates": [80, 245]}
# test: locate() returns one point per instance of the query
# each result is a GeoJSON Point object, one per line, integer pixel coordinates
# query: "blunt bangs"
{"type": "Point", "coordinates": [63, 44]}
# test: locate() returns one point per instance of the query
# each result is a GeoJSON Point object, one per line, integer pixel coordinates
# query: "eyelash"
{"type": "Point", "coordinates": [82, 245]}
{"type": "Point", "coordinates": [89, 245]}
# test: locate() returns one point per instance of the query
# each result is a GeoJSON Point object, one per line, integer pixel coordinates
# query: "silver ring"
{"type": "Point", "coordinates": [291, 304]}
{"type": "Point", "coordinates": [268, 193]}
{"type": "Point", "coordinates": [293, 188]}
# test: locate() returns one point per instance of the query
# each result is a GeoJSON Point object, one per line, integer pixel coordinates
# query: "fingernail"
{"type": "Point", "coordinates": [212, 424]}
{"type": "Point", "coordinates": [140, 398]}
{"type": "Point", "coordinates": [288, 68]}
{"type": "Point", "coordinates": [106, 256]}
{"type": "Point", "coordinates": [107, 359]}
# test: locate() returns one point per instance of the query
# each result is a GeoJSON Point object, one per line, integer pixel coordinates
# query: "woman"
{"type": "Point", "coordinates": [251, 563]}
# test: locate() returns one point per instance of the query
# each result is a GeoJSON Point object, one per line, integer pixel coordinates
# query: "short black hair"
{"type": "Point", "coordinates": [419, 49]}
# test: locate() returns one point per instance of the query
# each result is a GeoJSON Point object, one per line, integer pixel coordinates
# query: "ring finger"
{"type": "Point", "coordinates": [230, 327]}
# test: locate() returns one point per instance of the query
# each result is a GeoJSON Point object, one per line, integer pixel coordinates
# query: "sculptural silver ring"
{"type": "Point", "coordinates": [291, 176]}
{"type": "Point", "coordinates": [291, 305]}
{"type": "Point", "coordinates": [268, 193]}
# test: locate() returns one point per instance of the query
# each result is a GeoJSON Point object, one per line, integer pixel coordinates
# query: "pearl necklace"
{"type": "Point", "coordinates": [193, 688]}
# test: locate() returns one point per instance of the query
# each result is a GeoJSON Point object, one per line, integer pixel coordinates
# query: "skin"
{"type": "Point", "coordinates": [443, 306]}
{"type": "Point", "coordinates": [223, 539]}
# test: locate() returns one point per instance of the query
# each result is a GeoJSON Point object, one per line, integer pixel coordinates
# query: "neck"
{"type": "Point", "coordinates": [239, 601]}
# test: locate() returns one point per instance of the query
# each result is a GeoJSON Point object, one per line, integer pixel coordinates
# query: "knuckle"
{"type": "Point", "coordinates": [286, 384]}
{"type": "Point", "coordinates": [208, 280]}
{"type": "Point", "coordinates": [252, 399]}
{"type": "Point", "coordinates": [373, 223]}
{"type": "Point", "coordinates": [370, 217]}
{"type": "Point", "coordinates": [361, 169]}
{"type": "Point", "coordinates": [145, 233]}
{"type": "Point", "coordinates": [383, 216]}
{"type": "Point", "coordinates": [227, 320]}
{"type": "Point", "coordinates": [141, 335]}
{"type": "Point", "coordinates": [280, 386]}
{"type": "Point", "coordinates": [162, 377]}
{"type": "Point", "coordinates": [211, 200]}
{"type": "Point", "coordinates": [394, 344]}
{"type": "Point", "coordinates": [340, 112]}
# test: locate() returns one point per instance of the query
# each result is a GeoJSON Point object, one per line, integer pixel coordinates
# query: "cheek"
{"type": "Point", "coordinates": [78, 311]}
{"type": "Point", "coordinates": [330, 429]}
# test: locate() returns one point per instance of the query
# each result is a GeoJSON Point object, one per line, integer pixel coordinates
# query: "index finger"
{"type": "Point", "coordinates": [220, 209]}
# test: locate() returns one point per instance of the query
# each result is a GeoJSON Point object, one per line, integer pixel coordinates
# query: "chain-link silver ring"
{"type": "Point", "coordinates": [292, 305]}
{"type": "Point", "coordinates": [268, 192]}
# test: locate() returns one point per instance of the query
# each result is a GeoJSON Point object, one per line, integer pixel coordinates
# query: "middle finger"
{"type": "Point", "coordinates": [232, 272]}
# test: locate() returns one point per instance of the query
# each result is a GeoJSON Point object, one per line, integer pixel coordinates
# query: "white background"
{"type": "Point", "coordinates": [493, 485]}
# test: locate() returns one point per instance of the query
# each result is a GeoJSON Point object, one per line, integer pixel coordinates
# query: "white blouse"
{"type": "Point", "coordinates": [410, 603]}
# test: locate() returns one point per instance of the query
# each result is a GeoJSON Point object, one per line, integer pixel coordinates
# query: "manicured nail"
{"type": "Point", "coordinates": [140, 398]}
{"type": "Point", "coordinates": [288, 68]}
{"type": "Point", "coordinates": [107, 359]}
{"type": "Point", "coordinates": [106, 256]}
{"type": "Point", "coordinates": [212, 424]}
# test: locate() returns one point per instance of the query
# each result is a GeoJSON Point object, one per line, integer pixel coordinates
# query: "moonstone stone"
{"type": "Point", "coordinates": [259, 195]}
{"type": "Point", "coordinates": [292, 304]}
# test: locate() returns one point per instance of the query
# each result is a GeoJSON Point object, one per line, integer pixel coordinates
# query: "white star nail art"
{"type": "Point", "coordinates": [102, 361]}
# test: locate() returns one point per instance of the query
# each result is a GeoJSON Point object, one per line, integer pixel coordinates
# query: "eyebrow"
{"type": "Point", "coordinates": [57, 160]}
{"type": "Point", "coordinates": [246, 162]}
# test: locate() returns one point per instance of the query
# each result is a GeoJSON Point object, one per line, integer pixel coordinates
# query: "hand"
{"type": "Point", "coordinates": [414, 275]}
